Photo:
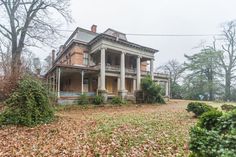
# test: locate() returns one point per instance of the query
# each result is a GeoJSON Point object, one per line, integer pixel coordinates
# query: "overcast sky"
{"type": "Point", "coordinates": [156, 17]}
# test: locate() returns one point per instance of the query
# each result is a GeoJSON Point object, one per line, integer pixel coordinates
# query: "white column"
{"type": "Point", "coordinates": [134, 85]}
{"type": "Point", "coordinates": [99, 82]}
{"type": "Point", "coordinates": [103, 70]}
{"type": "Point", "coordinates": [138, 73]}
{"type": "Point", "coordinates": [118, 83]}
{"type": "Point", "coordinates": [50, 83]}
{"type": "Point", "coordinates": [58, 82]}
{"type": "Point", "coordinates": [53, 82]}
{"type": "Point", "coordinates": [122, 72]}
{"type": "Point", "coordinates": [167, 88]}
{"type": "Point", "coordinates": [82, 82]}
{"type": "Point", "coordinates": [151, 69]}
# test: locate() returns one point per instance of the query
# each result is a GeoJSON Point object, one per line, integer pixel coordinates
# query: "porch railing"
{"type": "Point", "coordinates": [75, 94]}
{"type": "Point", "coordinates": [155, 74]}
{"type": "Point", "coordinates": [117, 68]}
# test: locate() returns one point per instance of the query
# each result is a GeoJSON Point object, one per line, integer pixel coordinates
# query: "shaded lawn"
{"type": "Point", "coordinates": [217, 104]}
{"type": "Point", "coordinates": [149, 130]}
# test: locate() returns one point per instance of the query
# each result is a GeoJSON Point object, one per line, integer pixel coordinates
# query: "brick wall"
{"type": "Point", "coordinates": [144, 66]}
{"type": "Point", "coordinates": [77, 53]}
{"type": "Point", "coordinates": [74, 55]}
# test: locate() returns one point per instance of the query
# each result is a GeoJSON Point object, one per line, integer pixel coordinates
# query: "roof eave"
{"type": "Point", "coordinates": [105, 36]}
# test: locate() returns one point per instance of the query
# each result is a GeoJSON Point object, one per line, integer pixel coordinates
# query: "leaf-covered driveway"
{"type": "Point", "coordinates": [149, 130]}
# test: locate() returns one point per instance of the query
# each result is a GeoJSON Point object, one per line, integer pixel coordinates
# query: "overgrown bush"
{"type": "Point", "coordinates": [117, 101]}
{"type": "Point", "coordinates": [83, 99]}
{"type": "Point", "coordinates": [209, 120]}
{"type": "Point", "coordinates": [199, 108]}
{"type": "Point", "coordinates": [204, 143]}
{"type": "Point", "coordinates": [214, 135]}
{"type": "Point", "coordinates": [152, 91]}
{"type": "Point", "coordinates": [227, 123]}
{"type": "Point", "coordinates": [98, 100]}
{"type": "Point", "coordinates": [227, 107]}
{"type": "Point", "coordinates": [28, 105]}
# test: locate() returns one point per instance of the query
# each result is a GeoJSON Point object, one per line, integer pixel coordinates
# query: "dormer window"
{"type": "Point", "coordinates": [116, 34]}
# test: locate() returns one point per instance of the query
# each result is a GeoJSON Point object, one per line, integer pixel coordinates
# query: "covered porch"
{"type": "Point", "coordinates": [69, 82]}
{"type": "Point", "coordinates": [113, 85]}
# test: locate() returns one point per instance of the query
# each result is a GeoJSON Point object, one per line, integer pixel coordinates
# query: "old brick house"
{"type": "Point", "coordinates": [105, 63]}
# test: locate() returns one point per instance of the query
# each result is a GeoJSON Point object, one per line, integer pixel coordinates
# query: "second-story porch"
{"type": "Point", "coordinates": [120, 58]}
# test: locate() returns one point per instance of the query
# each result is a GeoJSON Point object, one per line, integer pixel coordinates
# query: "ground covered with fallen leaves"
{"type": "Point", "coordinates": [147, 130]}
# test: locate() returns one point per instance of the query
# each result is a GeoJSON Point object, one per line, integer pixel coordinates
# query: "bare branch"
{"type": "Point", "coordinates": [29, 22]}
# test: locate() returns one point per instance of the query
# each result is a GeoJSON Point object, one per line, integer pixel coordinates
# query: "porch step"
{"type": "Point", "coordinates": [131, 98]}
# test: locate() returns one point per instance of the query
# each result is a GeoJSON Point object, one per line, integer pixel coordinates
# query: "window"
{"type": "Point", "coordinates": [86, 59]}
{"type": "Point", "coordinates": [69, 58]}
{"type": "Point", "coordinates": [117, 60]}
{"type": "Point", "coordinates": [109, 60]}
{"type": "Point", "coordinates": [68, 82]}
{"type": "Point", "coordinates": [86, 82]}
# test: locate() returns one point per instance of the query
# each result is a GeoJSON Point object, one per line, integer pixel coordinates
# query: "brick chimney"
{"type": "Point", "coordinates": [94, 28]}
{"type": "Point", "coordinates": [53, 56]}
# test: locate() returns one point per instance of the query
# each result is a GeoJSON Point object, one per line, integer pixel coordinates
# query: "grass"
{"type": "Point", "coordinates": [217, 104]}
{"type": "Point", "coordinates": [147, 130]}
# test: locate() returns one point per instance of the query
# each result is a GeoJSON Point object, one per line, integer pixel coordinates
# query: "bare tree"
{"type": "Point", "coordinates": [27, 58]}
{"type": "Point", "coordinates": [5, 58]}
{"type": "Point", "coordinates": [175, 70]}
{"type": "Point", "coordinates": [27, 22]}
{"type": "Point", "coordinates": [228, 56]}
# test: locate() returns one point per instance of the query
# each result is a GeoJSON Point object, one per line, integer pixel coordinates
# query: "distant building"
{"type": "Point", "coordinates": [106, 64]}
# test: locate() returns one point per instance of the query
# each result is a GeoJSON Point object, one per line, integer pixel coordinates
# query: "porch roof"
{"type": "Point", "coordinates": [72, 67]}
{"type": "Point", "coordinates": [121, 41]}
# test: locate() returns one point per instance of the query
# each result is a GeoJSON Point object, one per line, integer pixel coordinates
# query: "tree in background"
{"type": "Point", "coordinates": [175, 71]}
{"type": "Point", "coordinates": [27, 59]}
{"type": "Point", "coordinates": [202, 73]}
{"type": "Point", "coordinates": [5, 58]}
{"type": "Point", "coordinates": [28, 22]}
{"type": "Point", "coordinates": [227, 57]}
{"type": "Point", "coordinates": [194, 88]}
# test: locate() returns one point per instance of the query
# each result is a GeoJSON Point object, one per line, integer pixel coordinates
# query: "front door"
{"type": "Point", "coordinates": [111, 85]}
{"type": "Point", "coordinates": [129, 85]}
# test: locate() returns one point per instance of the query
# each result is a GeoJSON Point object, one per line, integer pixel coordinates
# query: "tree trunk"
{"type": "Point", "coordinates": [16, 64]}
{"type": "Point", "coordinates": [210, 85]}
{"type": "Point", "coordinates": [227, 86]}
{"type": "Point", "coordinates": [211, 92]}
